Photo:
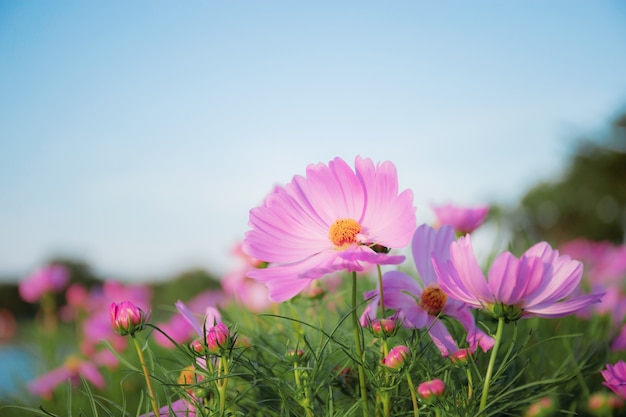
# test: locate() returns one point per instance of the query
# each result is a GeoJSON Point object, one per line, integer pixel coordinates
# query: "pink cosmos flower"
{"type": "Point", "coordinates": [246, 291]}
{"type": "Point", "coordinates": [73, 368]}
{"type": "Point", "coordinates": [463, 219]}
{"type": "Point", "coordinates": [540, 283]}
{"type": "Point", "coordinates": [420, 304]}
{"type": "Point", "coordinates": [615, 378]}
{"type": "Point", "coordinates": [50, 278]}
{"type": "Point", "coordinates": [333, 219]}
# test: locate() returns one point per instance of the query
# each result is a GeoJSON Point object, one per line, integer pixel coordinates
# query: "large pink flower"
{"type": "Point", "coordinates": [539, 283]}
{"type": "Point", "coordinates": [333, 219]}
{"type": "Point", "coordinates": [420, 304]}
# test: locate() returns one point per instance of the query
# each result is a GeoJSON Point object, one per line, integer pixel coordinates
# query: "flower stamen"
{"type": "Point", "coordinates": [433, 300]}
{"type": "Point", "coordinates": [344, 232]}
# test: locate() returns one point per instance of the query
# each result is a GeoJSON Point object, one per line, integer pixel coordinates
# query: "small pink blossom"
{"type": "Point", "coordinates": [615, 378]}
{"type": "Point", "coordinates": [433, 388]}
{"type": "Point", "coordinates": [540, 283]}
{"type": "Point", "coordinates": [463, 219]}
{"type": "Point", "coordinates": [333, 219]}
{"type": "Point", "coordinates": [49, 279]}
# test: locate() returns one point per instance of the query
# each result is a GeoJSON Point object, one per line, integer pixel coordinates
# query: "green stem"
{"type": "Point", "coordinates": [492, 361]}
{"type": "Point", "coordinates": [381, 292]}
{"type": "Point", "coordinates": [469, 383]}
{"type": "Point", "coordinates": [416, 411]}
{"type": "Point", "coordinates": [359, 349]}
{"type": "Point", "coordinates": [144, 366]}
{"type": "Point", "coordinates": [385, 395]}
{"type": "Point", "coordinates": [304, 403]}
{"type": "Point", "coordinates": [222, 382]}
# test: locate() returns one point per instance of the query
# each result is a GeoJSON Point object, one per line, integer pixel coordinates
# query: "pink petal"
{"type": "Point", "coordinates": [429, 243]}
{"type": "Point", "coordinates": [563, 308]}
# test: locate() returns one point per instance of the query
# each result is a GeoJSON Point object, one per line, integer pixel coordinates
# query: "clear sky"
{"type": "Point", "coordinates": [135, 136]}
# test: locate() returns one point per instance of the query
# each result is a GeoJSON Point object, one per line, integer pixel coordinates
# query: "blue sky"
{"type": "Point", "coordinates": [136, 136]}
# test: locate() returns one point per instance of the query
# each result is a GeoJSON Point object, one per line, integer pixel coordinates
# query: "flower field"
{"type": "Point", "coordinates": [343, 304]}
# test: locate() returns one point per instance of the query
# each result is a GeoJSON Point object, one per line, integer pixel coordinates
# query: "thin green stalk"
{"type": "Point", "coordinates": [416, 411]}
{"type": "Point", "coordinates": [144, 366]}
{"type": "Point", "coordinates": [304, 403]}
{"type": "Point", "coordinates": [359, 349]}
{"type": "Point", "coordinates": [222, 383]}
{"type": "Point", "coordinates": [469, 383]}
{"type": "Point", "coordinates": [492, 361]}
{"type": "Point", "coordinates": [381, 292]}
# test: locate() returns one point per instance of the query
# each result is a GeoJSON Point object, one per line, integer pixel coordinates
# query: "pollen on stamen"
{"type": "Point", "coordinates": [433, 300]}
{"type": "Point", "coordinates": [344, 232]}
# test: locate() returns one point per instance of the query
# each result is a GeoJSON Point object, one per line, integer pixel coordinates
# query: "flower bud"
{"type": "Point", "coordinates": [127, 318]}
{"type": "Point", "coordinates": [461, 357]}
{"type": "Point", "coordinates": [602, 403]}
{"type": "Point", "coordinates": [217, 337]}
{"type": "Point", "coordinates": [543, 407]}
{"type": "Point", "coordinates": [383, 328]}
{"type": "Point", "coordinates": [295, 355]}
{"type": "Point", "coordinates": [396, 357]}
{"type": "Point", "coordinates": [197, 347]}
{"type": "Point", "coordinates": [429, 390]}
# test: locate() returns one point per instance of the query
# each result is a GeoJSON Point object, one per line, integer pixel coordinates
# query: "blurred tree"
{"type": "Point", "coordinates": [588, 201]}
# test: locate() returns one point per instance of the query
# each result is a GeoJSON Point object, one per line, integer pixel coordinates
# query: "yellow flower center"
{"type": "Point", "coordinates": [72, 363]}
{"type": "Point", "coordinates": [344, 232]}
{"type": "Point", "coordinates": [433, 300]}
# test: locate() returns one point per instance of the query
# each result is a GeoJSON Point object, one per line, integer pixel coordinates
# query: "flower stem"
{"type": "Point", "coordinates": [381, 292]}
{"type": "Point", "coordinates": [302, 390]}
{"type": "Point", "coordinates": [144, 366]}
{"type": "Point", "coordinates": [492, 361]}
{"type": "Point", "coordinates": [359, 349]}
{"type": "Point", "coordinates": [222, 383]}
{"type": "Point", "coordinates": [416, 411]}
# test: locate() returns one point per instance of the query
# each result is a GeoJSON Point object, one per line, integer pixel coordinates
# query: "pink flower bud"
{"type": "Point", "coordinates": [383, 327]}
{"type": "Point", "coordinates": [127, 318]}
{"type": "Point", "coordinates": [428, 389]}
{"type": "Point", "coordinates": [396, 357]}
{"type": "Point", "coordinates": [461, 357]}
{"type": "Point", "coordinates": [295, 355]}
{"type": "Point", "coordinates": [197, 347]}
{"type": "Point", "coordinates": [217, 337]}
